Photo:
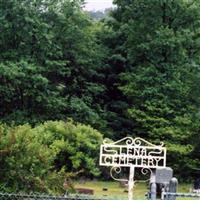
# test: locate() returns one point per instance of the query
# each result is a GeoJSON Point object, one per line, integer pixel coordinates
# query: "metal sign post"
{"type": "Point", "coordinates": [131, 182]}
{"type": "Point", "coordinates": [132, 153]}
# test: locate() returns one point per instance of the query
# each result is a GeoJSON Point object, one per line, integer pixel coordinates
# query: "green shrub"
{"type": "Point", "coordinates": [76, 145]}
{"type": "Point", "coordinates": [41, 158]}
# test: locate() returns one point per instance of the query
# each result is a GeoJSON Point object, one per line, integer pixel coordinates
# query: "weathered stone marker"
{"type": "Point", "coordinates": [160, 177]}
{"type": "Point", "coordinates": [163, 176]}
{"type": "Point", "coordinates": [132, 153]}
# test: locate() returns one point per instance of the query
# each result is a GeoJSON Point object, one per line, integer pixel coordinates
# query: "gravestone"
{"type": "Point", "coordinates": [162, 180]}
{"type": "Point", "coordinates": [163, 176]}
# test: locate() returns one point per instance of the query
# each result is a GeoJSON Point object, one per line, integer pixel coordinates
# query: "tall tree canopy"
{"type": "Point", "coordinates": [49, 62]}
{"type": "Point", "coordinates": [159, 40]}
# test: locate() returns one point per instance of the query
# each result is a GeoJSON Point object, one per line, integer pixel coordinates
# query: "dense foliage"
{"type": "Point", "coordinates": [161, 77]}
{"type": "Point", "coordinates": [136, 72]}
{"type": "Point", "coordinates": [41, 158]}
{"type": "Point", "coordinates": [49, 62]}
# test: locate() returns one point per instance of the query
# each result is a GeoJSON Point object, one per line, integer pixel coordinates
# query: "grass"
{"type": "Point", "coordinates": [114, 188]}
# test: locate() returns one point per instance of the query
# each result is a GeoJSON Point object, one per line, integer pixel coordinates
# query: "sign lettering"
{"type": "Point", "coordinates": [133, 154]}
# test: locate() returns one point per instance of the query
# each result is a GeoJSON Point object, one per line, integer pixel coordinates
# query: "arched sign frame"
{"type": "Point", "coordinates": [132, 153]}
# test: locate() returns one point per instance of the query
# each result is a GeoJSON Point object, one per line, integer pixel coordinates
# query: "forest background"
{"type": "Point", "coordinates": [67, 81]}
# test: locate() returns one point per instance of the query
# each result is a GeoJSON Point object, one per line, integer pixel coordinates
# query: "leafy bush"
{"type": "Point", "coordinates": [41, 158]}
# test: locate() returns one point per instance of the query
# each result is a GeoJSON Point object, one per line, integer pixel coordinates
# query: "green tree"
{"type": "Point", "coordinates": [112, 99]}
{"type": "Point", "coordinates": [159, 41]}
{"type": "Point", "coordinates": [76, 36]}
{"type": "Point", "coordinates": [49, 62]}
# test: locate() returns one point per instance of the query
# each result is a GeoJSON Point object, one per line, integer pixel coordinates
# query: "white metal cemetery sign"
{"type": "Point", "coordinates": [132, 153]}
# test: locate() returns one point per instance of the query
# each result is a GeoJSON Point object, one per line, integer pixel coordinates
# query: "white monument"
{"type": "Point", "coordinates": [132, 153]}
